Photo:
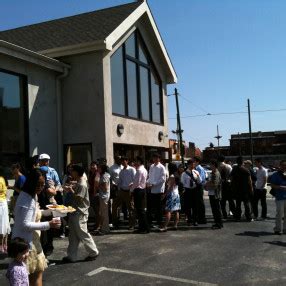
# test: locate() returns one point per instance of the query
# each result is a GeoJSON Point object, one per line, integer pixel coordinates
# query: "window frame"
{"type": "Point", "coordinates": [150, 68]}
{"type": "Point", "coordinates": [23, 82]}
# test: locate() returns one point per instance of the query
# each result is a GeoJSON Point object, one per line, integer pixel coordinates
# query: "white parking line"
{"type": "Point", "coordinates": [187, 281]}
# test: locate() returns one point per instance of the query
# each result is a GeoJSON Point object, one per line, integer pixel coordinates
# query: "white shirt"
{"type": "Point", "coordinates": [114, 171]}
{"type": "Point", "coordinates": [25, 216]}
{"type": "Point", "coordinates": [157, 178]}
{"type": "Point", "coordinates": [186, 179]}
{"type": "Point", "coordinates": [261, 174]}
{"type": "Point", "coordinates": [225, 171]}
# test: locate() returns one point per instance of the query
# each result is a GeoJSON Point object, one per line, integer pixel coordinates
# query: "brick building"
{"type": "Point", "coordinates": [269, 146]}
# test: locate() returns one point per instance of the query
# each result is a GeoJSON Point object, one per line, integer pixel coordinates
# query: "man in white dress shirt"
{"type": "Point", "coordinates": [138, 191]}
{"type": "Point", "coordinates": [126, 177]}
{"type": "Point", "coordinates": [191, 181]}
{"type": "Point", "coordinates": [156, 183]}
{"type": "Point", "coordinates": [260, 190]}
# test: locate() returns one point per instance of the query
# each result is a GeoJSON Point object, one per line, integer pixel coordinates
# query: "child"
{"type": "Point", "coordinates": [173, 203]}
{"type": "Point", "coordinates": [17, 273]}
{"type": "Point", "coordinates": [4, 216]}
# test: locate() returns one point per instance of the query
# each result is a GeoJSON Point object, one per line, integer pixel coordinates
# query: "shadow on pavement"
{"type": "Point", "coordinates": [4, 266]}
{"type": "Point", "coordinates": [53, 262]}
{"type": "Point", "coordinates": [255, 233]}
{"type": "Point", "coordinates": [277, 243]}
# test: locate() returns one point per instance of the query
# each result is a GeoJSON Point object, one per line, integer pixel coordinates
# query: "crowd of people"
{"type": "Point", "coordinates": [146, 198]}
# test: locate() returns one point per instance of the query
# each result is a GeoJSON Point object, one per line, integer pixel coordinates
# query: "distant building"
{"type": "Point", "coordinates": [190, 149]}
{"type": "Point", "coordinates": [269, 146]}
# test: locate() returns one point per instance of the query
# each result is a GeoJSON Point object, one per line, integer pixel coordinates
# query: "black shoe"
{"type": "Point", "coordinates": [277, 232]}
{"type": "Point", "coordinates": [48, 252]}
{"type": "Point", "coordinates": [66, 259]}
{"type": "Point", "coordinates": [216, 226]}
{"type": "Point", "coordinates": [139, 231]}
{"type": "Point", "coordinates": [195, 224]}
{"type": "Point", "coordinates": [202, 221]}
{"type": "Point", "coordinates": [91, 258]}
{"type": "Point", "coordinates": [100, 233]}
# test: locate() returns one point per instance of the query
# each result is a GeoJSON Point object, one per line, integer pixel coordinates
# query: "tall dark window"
{"type": "Point", "coordinates": [144, 93]}
{"type": "Point", "coordinates": [117, 78]}
{"type": "Point", "coordinates": [135, 83]}
{"type": "Point", "coordinates": [12, 119]}
{"type": "Point", "coordinates": [132, 89]}
{"type": "Point", "coordinates": [156, 98]}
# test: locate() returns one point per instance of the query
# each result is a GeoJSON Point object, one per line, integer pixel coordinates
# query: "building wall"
{"type": "Point", "coordinates": [83, 102]}
{"type": "Point", "coordinates": [42, 104]}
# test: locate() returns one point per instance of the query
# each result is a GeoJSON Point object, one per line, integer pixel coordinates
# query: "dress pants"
{"type": "Point", "coordinates": [123, 196]}
{"type": "Point", "coordinates": [78, 233]}
{"type": "Point", "coordinates": [94, 204]}
{"type": "Point", "coordinates": [155, 207]}
{"type": "Point", "coordinates": [216, 210]}
{"type": "Point", "coordinates": [201, 205]}
{"type": "Point", "coordinates": [259, 195]}
{"type": "Point", "coordinates": [140, 207]}
{"type": "Point", "coordinates": [193, 202]}
{"type": "Point", "coordinates": [188, 204]}
{"type": "Point", "coordinates": [280, 213]}
{"type": "Point", "coordinates": [246, 203]}
{"type": "Point", "coordinates": [227, 196]}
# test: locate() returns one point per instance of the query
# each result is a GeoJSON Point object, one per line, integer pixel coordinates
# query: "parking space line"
{"type": "Point", "coordinates": [152, 275]}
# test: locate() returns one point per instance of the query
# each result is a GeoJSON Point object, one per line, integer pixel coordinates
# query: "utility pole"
{"type": "Point", "coordinates": [218, 137]}
{"type": "Point", "coordinates": [250, 132]}
{"type": "Point", "coordinates": [180, 131]}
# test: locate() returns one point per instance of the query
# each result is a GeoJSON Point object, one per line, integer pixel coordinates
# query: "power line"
{"type": "Point", "coordinates": [201, 108]}
{"type": "Point", "coordinates": [232, 113]}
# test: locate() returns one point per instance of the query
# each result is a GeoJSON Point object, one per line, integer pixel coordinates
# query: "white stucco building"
{"type": "Point", "coordinates": [83, 87]}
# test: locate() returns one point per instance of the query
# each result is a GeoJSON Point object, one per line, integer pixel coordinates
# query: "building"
{"type": "Point", "coordinates": [269, 146]}
{"type": "Point", "coordinates": [83, 87]}
{"type": "Point", "coordinates": [190, 150]}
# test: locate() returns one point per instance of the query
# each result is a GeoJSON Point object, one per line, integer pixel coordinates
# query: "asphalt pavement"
{"type": "Point", "coordinates": [242, 253]}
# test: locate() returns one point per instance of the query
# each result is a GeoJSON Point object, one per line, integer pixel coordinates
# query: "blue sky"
{"type": "Point", "coordinates": [224, 51]}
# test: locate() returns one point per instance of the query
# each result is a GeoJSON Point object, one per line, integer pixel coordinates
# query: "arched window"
{"type": "Point", "coordinates": [135, 84]}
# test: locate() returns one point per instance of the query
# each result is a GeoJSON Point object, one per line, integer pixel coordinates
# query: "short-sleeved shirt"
{"type": "Point", "coordinates": [105, 178]}
{"type": "Point", "coordinates": [19, 183]}
{"type": "Point", "coordinates": [202, 173]}
{"type": "Point", "coordinates": [280, 180]}
{"type": "Point", "coordinates": [3, 189]}
{"type": "Point", "coordinates": [114, 171]}
{"type": "Point", "coordinates": [80, 198]}
{"type": "Point", "coordinates": [17, 274]}
{"type": "Point", "coordinates": [261, 174]}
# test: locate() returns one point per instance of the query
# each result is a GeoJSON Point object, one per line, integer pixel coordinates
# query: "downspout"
{"type": "Point", "coordinates": [60, 120]}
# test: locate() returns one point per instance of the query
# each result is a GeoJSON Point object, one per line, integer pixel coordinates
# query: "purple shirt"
{"type": "Point", "coordinates": [17, 274]}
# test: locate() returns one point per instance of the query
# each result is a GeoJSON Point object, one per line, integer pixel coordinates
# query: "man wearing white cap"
{"type": "Point", "coordinates": [53, 185]}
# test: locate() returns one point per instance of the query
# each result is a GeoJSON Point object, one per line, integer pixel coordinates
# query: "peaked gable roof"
{"type": "Point", "coordinates": [73, 30]}
{"type": "Point", "coordinates": [87, 32]}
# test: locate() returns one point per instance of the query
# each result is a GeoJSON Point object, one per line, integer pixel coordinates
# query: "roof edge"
{"type": "Point", "coordinates": [18, 52]}
{"type": "Point", "coordinates": [77, 49]}
{"type": "Point", "coordinates": [129, 22]}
